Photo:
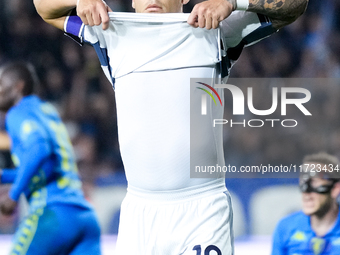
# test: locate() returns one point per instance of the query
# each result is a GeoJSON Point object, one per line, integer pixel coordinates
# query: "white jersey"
{"type": "Point", "coordinates": [149, 59]}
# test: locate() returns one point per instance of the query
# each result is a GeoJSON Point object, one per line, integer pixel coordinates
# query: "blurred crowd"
{"type": "Point", "coordinates": [71, 78]}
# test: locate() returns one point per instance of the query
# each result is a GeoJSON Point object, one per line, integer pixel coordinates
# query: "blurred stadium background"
{"type": "Point", "coordinates": [72, 80]}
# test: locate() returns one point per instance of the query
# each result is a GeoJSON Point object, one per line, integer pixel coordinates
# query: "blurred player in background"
{"type": "Point", "coordinates": [60, 220]}
{"type": "Point", "coordinates": [149, 58]}
{"type": "Point", "coordinates": [316, 229]}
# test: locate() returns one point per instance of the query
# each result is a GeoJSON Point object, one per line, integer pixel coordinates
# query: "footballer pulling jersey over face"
{"type": "Point", "coordinates": [149, 59]}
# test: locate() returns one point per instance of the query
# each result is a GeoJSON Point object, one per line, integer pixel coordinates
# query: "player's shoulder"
{"type": "Point", "coordinates": [245, 28]}
{"type": "Point", "coordinates": [16, 114]}
{"type": "Point", "coordinates": [299, 215]}
{"type": "Point", "coordinates": [14, 120]}
{"type": "Point", "coordinates": [293, 227]}
{"type": "Point", "coordinates": [22, 112]}
{"type": "Point", "coordinates": [25, 105]}
{"type": "Point", "coordinates": [293, 219]}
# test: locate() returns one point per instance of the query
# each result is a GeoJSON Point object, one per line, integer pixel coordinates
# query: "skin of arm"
{"type": "Point", "coordinates": [5, 141]}
{"type": "Point", "coordinates": [54, 12]}
{"type": "Point", "coordinates": [7, 205]}
{"type": "Point", "coordinates": [206, 14]}
{"type": "Point", "coordinates": [281, 12]}
{"type": "Point", "coordinates": [210, 13]}
{"type": "Point", "coordinates": [91, 12]}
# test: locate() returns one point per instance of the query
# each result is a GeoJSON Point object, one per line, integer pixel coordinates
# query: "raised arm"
{"type": "Point", "coordinates": [21, 176]}
{"type": "Point", "coordinates": [208, 14]}
{"type": "Point", "coordinates": [91, 12]}
{"type": "Point", "coordinates": [281, 12]}
{"type": "Point", "coordinates": [54, 12]}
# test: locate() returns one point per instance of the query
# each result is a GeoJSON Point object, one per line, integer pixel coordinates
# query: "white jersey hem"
{"type": "Point", "coordinates": [147, 17]}
{"type": "Point", "coordinates": [195, 192]}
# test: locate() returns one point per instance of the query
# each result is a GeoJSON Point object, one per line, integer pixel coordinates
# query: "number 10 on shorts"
{"type": "Point", "coordinates": [207, 250]}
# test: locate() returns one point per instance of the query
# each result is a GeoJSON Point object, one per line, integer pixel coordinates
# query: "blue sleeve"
{"type": "Point", "coordinates": [29, 166]}
{"type": "Point", "coordinates": [8, 175]}
{"type": "Point", "coordinates": [73, 27]}
{"type": "Point", "coordinates": [278, 241]}
{"type": "Point", "coordinates": [31, 147]}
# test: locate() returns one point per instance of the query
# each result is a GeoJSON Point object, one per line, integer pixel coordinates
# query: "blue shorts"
{"type": "Point", "coordinates": [58, 229]}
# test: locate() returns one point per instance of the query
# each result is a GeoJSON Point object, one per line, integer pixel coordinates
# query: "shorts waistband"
{"type": "Point", "coordinates": [194, 192]}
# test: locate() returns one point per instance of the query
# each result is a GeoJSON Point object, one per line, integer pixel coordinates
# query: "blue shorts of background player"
{"type": "Point", "coordinates": [61, 229]}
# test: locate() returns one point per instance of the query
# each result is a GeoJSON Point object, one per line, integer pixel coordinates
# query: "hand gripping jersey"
{"type": "Point", "coordinates": [149, 59]}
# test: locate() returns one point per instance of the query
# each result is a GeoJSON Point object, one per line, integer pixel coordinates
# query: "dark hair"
{"type": "Point", "coordinates": [22, 71]}
{"type": "Point", "coordinates": [323, 158]}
